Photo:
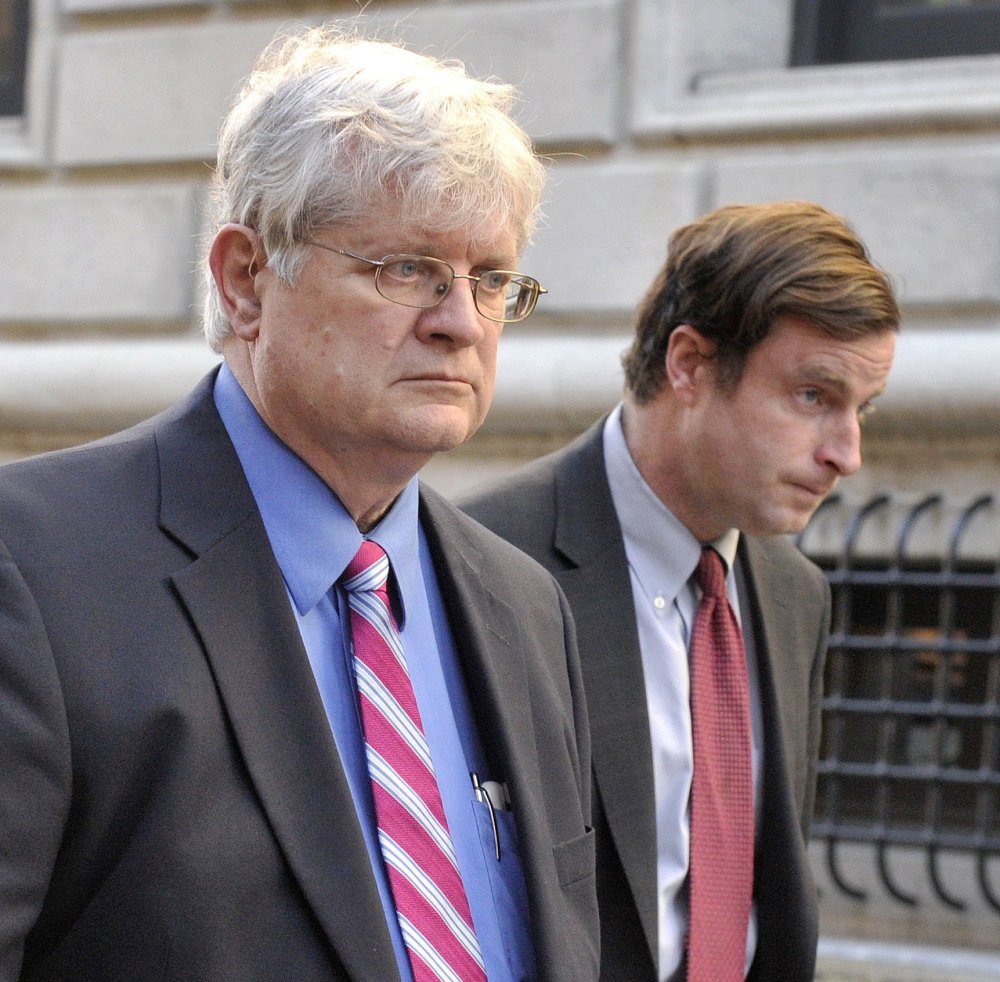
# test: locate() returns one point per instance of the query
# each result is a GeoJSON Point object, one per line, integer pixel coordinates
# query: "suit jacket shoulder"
{"type": "Point", "coordinates": [558, 509]}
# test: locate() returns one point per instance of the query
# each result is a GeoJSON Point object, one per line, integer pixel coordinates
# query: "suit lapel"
{"type": "Point", "coordinates": [767, 591]}
{"type": "Point", "coordinates": [781, 867]}
{"type": "Point", "coordinates": [492, 652]}
{"type": "Point", "coordinates": [598, 587]}
{"type": "Point", "coordinates": [779, 609]}
{"type": "Point", "coordinates": [485, 633]}
{"type": "Point", "coordinates": [236, 598]}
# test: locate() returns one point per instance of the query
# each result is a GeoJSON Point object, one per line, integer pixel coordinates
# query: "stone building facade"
{"type": "Point", "coordinates": [651, 112]}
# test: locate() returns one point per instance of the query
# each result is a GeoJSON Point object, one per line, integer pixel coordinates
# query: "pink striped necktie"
{"type": "Point", "coordinates": [431, 904]}
{"type": "Point", "coordinates": [722, 790]}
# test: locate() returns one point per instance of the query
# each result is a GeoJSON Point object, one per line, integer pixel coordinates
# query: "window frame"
{"type": "Point", "coordinates": [24, 138]}
{"type": "Point", "coordinates": [13, 82]}
{"type": "Point", "coordinates": [843, 32]}
{"type": "Point", "coordinates": [698, 77]}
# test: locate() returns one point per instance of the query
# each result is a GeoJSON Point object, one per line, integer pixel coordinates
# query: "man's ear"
{"type": "Point", "coordinates": [688, 361]}
{"type": "Point", "coordinates": [235, 259]}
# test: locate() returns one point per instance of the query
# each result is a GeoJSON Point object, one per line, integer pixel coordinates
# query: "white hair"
{"type": "Point", "coordinates": [330, 125]}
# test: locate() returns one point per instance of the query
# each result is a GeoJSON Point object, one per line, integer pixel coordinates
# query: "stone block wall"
{"type": "Point", "coordinates": [650, 112]}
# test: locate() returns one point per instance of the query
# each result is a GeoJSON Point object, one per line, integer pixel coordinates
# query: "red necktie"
{"type": "Point", "coordinates": [431, 903]}
{"type": "Point", "coordinates": [722, 790]}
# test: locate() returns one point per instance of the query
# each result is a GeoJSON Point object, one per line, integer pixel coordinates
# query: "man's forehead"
{"type": "Point", "coordinates": [387, 230]}
{"type": "Point", "coordinates": [814, 336]}
{"type": "Point", "coordinates": [806, 347]}
{"type": "Point", "coordinates": [847, 364]}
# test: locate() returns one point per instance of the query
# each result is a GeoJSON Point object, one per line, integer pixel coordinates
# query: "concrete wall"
{"type": "Point", "coordinates": [651, 111]}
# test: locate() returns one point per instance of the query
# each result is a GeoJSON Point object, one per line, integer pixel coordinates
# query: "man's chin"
{"type": "Point", "coordinates": [797, 522]}
{"type": "Point", "coordinates": [439, 430]}
{"type": "Point", "coordinates": [783, 522]}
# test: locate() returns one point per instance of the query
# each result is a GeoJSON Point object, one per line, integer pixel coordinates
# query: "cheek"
{"type": "Point", "coordinates": [724, 438]}
{"type": "Point", "coordinates": [740, 459]}
{"type": "Point", "coordinates": [336, 352]}
{"type": "Point", "coordinates": [487, 352]}
{"type": "Point", "coordinates": [756, 436]}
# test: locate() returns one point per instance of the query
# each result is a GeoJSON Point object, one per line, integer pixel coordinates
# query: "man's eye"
{"type": "Point", "coordinates": [810, 397]}
{"type": "Point", "coordinates": [494, 280]}
{"type": "Point", "coordinates": [405, 269]}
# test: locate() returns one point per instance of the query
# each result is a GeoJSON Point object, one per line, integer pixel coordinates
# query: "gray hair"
{"type": "Point", "coordinates": [330, 125]}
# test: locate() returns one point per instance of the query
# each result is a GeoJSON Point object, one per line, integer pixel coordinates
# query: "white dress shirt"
{"type": "Point", "coordinates": [662, 557]}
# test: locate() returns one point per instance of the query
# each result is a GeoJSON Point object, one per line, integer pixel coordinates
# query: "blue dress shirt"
{"type": "Point", "coordinates": [313, 539]}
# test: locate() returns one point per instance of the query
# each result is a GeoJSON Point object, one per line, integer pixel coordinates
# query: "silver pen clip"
{"type": "Point", "coordinates": [483, 794]}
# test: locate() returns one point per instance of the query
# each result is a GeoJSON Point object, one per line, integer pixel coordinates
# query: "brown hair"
{"type": "Point", "coordinates": [736, 270]}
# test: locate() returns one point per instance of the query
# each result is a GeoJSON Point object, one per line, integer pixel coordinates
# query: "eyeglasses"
{"type": "Point", "coordinates": [500, 295]}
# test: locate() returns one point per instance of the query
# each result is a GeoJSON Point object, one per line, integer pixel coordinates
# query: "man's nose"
{"type": "Point", "coordinates": [841, 447]}
{"type": "Point", "coordinates": [455, 317]}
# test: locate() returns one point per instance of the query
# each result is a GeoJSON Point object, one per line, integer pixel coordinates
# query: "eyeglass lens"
{"type": "Point", "coordinates": [420, 281]}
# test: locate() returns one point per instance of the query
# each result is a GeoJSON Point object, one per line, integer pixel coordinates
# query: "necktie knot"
{"type": "Point", "coordinates": [710, 574]}
{"type": "Point", "coordinates": [368, 570]}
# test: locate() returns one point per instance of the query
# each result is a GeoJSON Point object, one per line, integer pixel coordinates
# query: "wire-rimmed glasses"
{"type": "Point", "coordinates": [500, 295]}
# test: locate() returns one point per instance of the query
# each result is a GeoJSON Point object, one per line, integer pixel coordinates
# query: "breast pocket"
{"type": "Point", "coordinates": [508, 888]}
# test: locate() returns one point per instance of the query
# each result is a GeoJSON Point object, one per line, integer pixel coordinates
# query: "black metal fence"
{"type": "Point", "coordinates": [910, 751]}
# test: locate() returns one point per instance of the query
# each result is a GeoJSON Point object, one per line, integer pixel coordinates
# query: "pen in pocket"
{"type": "Point", "coordinates": [494, 795]}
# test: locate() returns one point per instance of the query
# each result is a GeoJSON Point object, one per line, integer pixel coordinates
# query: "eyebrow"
{"type": "Point", "coordinates": [425, 249]}
{"type": "Point", "coordinates": [823, 376]}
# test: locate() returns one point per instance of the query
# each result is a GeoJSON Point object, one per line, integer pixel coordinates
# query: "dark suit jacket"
{"type": "Point", "coordinates": [172, 806]}
{"type": "Point", "coordinates": [559, 510]}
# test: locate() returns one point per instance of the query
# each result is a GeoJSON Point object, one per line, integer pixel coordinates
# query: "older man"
{"type": "Point", "coordinates": [758, 351]}
{"type": "Point", "coordinates": [270, 710]}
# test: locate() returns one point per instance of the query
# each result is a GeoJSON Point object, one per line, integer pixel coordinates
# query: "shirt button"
{"type": "Point", "coordinates": [659, 602]}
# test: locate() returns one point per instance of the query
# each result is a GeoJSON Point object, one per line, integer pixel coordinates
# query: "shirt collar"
{"type": "Point", "coordinates": [312, 535]}
{"type": "Point", "coordinates": [726, 545]}
{"type": "Point", "coordinates": [663, 553]}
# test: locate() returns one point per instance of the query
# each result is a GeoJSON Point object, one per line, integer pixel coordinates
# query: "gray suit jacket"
{"type": "Point", "coordinates": [172, 806]}
{"type": "Point", "coordinates": [559, 510]}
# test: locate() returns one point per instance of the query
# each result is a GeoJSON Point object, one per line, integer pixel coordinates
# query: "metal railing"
{"type": "Point", "coordinates": [910, 752]}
